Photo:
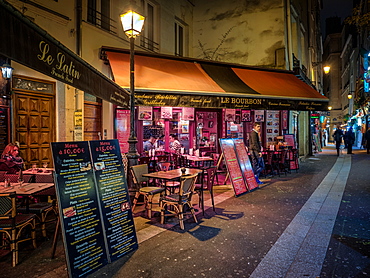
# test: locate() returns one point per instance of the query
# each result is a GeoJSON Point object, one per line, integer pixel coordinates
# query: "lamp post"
{"type": "Point", "coordinates": [132, 24]}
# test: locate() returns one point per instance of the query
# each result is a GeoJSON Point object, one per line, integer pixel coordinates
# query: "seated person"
{"type": "Point", "coordinates": [10, 160]}
{"type": "Point", "coordinates": [149, 144]}
{"type": "Point", "coordinates": [175, 145]}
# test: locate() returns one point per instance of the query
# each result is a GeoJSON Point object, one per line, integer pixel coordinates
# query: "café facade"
{"type": "Point", "coordinates": [202, 101]}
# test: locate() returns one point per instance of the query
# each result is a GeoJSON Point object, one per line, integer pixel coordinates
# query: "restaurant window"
{"type": "Point", "coordinates": [147, 37]}
{"type": "Point", "coordinates": [98, 14]}
{"type": "Point", "coordinates": [179, 39]}
{"type": "Point", "coordinates": [206, 130]}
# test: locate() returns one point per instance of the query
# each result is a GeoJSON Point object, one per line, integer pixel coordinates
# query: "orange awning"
{"type": "Point", "coordinates": [161, 74]}
{"type": "Point", "coordinates": [162, 80]}
{"type": "Point", "coordinates": [279, 84]}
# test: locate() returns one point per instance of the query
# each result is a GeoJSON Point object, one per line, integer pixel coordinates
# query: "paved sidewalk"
{"type": "Point", "coordinates": [310, 223]}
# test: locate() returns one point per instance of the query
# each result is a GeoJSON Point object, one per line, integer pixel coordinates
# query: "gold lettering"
{"type": "Point", "coordinates": [44, 48]}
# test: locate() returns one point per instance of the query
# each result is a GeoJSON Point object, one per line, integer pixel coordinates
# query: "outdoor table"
{"type": "Point", "coordinates": [198, 159]}
{"type": "Point", "coordinates": [26, 190]}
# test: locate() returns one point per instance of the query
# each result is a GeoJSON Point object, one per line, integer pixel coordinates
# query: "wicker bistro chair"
{"type": "Point", "coordinates": [12, 224]}
{"type": "Point", "coordinates": [148, 192]}
{"type": "Point", "coordinates": [169, 185]}
{"type": "Point", "coordinates": [179, 200]}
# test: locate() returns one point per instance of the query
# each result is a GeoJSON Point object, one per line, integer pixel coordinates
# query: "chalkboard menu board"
{"type": "Point", "coordinates": [245, 164]}
{"type": "Point", "coordinates": [114, 198]}
{"type": "Point", "coordinates": [233, 167]}
{"type": "Point", "coordinates": [93, 200]}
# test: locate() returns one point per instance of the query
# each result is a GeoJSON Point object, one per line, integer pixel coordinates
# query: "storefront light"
{"type": "Point", "coordinates": [7, 71]}
{"type": "Point", "coordinates": [326, 69]}
{"type": "Point", "coordinates": [350, 95]}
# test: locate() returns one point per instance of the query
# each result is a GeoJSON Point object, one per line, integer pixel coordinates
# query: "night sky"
{"type": "Point", "coordinates": [340, 8]}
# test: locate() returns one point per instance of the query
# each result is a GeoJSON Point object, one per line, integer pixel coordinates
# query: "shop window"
{"type": "Point", "coordinates": [206, 131]}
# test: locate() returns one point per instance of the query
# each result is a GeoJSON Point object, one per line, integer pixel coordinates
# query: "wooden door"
{"type": "Point", "coordinates": [92, 121]}
{"type": "Point", "coordinates": [34, 118]}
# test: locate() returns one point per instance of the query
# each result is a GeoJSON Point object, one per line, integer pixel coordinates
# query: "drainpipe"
{"type": "Point", "coordinates": [288, 55]}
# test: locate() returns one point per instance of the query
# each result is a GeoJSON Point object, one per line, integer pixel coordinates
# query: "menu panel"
{"type": "Point", "coordinates": [245, 164]}
{"type": "Point", "coordinates": [78, 206]}
{"type": "Point", "coordinates": [232, 164]}
{"type": "Point", "coordinates": [4, 128]}
{"type": "Point", "coordinates": [113, 197]}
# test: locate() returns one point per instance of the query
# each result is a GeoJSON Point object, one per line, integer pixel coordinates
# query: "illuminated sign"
{"type": "Point", "coordinates": [366, 72]}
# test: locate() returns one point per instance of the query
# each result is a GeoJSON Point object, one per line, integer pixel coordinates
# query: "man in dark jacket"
{"type": "Point", "coordinates": [256, 151]}
{"type": "Point", "coordinates": [350, 140]}
{"type": "Point", "coordinates": [338, 134]}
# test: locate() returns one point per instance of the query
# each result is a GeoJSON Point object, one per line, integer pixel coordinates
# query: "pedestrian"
{"type": "Point", "coordinates": [345, 139]}
{"type": "Point", "coordinates": [350, 140]}
{"type": "Point", "coordinates": [175, 145]}
{"type": "Point", "coordinates": [149, 144]}
{"type": "Point", "coordinates": [338, 135]}
{"type": "Point", "coordinates": [367, 138]}
{"type": "Point", "coordinates": [10, 160]}
{"type": "Point", "coordinates": [256, 151]}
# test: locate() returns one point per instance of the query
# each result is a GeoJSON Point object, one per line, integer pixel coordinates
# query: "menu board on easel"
{"type": "Point", "coordinates": [233, 167]}
{"type": "Point", "coordinates": [245, 164]}
{"type": "Point", "coordinates": [92, 192]}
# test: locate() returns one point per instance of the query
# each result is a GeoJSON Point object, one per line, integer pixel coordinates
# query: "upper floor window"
{"type": "Point", "coordinates": [98, 13]}
{"type": "Point", "coordinates": [147, 37]}
{"type": "Point", "coordinates": [179, 39]}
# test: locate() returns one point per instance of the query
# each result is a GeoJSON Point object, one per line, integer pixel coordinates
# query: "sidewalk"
{"type": "Point", "coordinates": [314, 223]}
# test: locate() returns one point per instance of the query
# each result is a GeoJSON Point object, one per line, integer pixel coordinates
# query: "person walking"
{"type": "Point", "coordinates": [350, 140]}
{"type": "Point", "coordinates": [338, 135]}
{"type": "Point", "coordinates": [367, 138]}
{"type": "Point", "coordinates": [256, 151]}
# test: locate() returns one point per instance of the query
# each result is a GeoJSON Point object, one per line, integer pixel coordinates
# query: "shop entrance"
{"type": "Point", "coordinates": [34, 118]}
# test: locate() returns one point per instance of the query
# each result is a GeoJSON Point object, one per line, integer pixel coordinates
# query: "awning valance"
{"type": "Point", "coordinates": [29, 45]}
{"type": "Point", "coordinates": [172, 81]}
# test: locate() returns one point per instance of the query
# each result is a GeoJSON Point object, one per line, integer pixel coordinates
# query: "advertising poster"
{"type": "Point", "coordinates": [259, 115]}
{"type": "Point", "coordinates": [166, 112]}
{"type": "Point", "coordinates": [145, 113]}
{"type": "Point", "coordinates": [113, 196]}
{"type": "Point", "coordinates": [123, 128]}
{"type": "Point", "coordinates": [290, 140]}
{"type": "Point", "coordinates": [245, 164]}
{"type": "Point", "coordinates": [81, 220]}
{"type": "Point", "coordinates": [188, 113]}
{"type": "Point", "coordinates": [230, 115]}
{"type": "Point", "coordinates": [233, 167]}
{"type": "Point", "coordinates": [272, 126]}
{"type": "Point", "coordinates": [246, 115]}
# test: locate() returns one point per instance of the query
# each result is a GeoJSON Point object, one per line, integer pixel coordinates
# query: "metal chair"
{"type": "Point", "coordinates": [210, 180]}
{"type": "Point", "coordinates": [179, 200]}
{"type": "Point", "coordinates": [12, 224]}
{"type": "Point", "coordinates": [148, 192]}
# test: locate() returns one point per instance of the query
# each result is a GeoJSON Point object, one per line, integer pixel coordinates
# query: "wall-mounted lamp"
{"type": "Point", "coordinates": [326, 69]}
{"type": "Point", "coordinates": [330, 108]}
{"type": "Point", "coordinates": [7, 71]}
{"type": "Point", "coordinates": [349, 96]}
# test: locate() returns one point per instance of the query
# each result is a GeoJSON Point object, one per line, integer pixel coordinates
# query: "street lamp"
{"type": "Point", "coordinates": [132, 24]}
{"type": "Point", "coordinates": [349, 96]}
{"type": "Point", "coordinates": [326, 69]}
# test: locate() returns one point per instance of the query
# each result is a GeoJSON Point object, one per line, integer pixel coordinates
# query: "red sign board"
{"type": "Point", "coordinates": [123, 128]}
{"type": "Point", "coordinates": [233, 167]}
{"type": "Point", "coordinates": [245, 164]}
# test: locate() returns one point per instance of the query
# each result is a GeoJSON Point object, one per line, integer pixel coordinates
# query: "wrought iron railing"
{"type": "Point", "coordinates": [102, 21]}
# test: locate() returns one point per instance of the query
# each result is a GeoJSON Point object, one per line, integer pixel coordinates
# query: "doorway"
{"type": "Point", "coordinates": [33, 118]}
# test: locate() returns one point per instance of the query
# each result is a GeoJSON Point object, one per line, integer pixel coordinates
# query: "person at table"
{"type": "Point", "coordinates": [10, 160]}
{"type": "Point", "coordinates": [175, 145]}
{"type": "Point", "coordinates": [256, 151]}
{"type": "Point", "coordinates": [160, 142]}
{"type": "Point", "coordinates": [150, 144]}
